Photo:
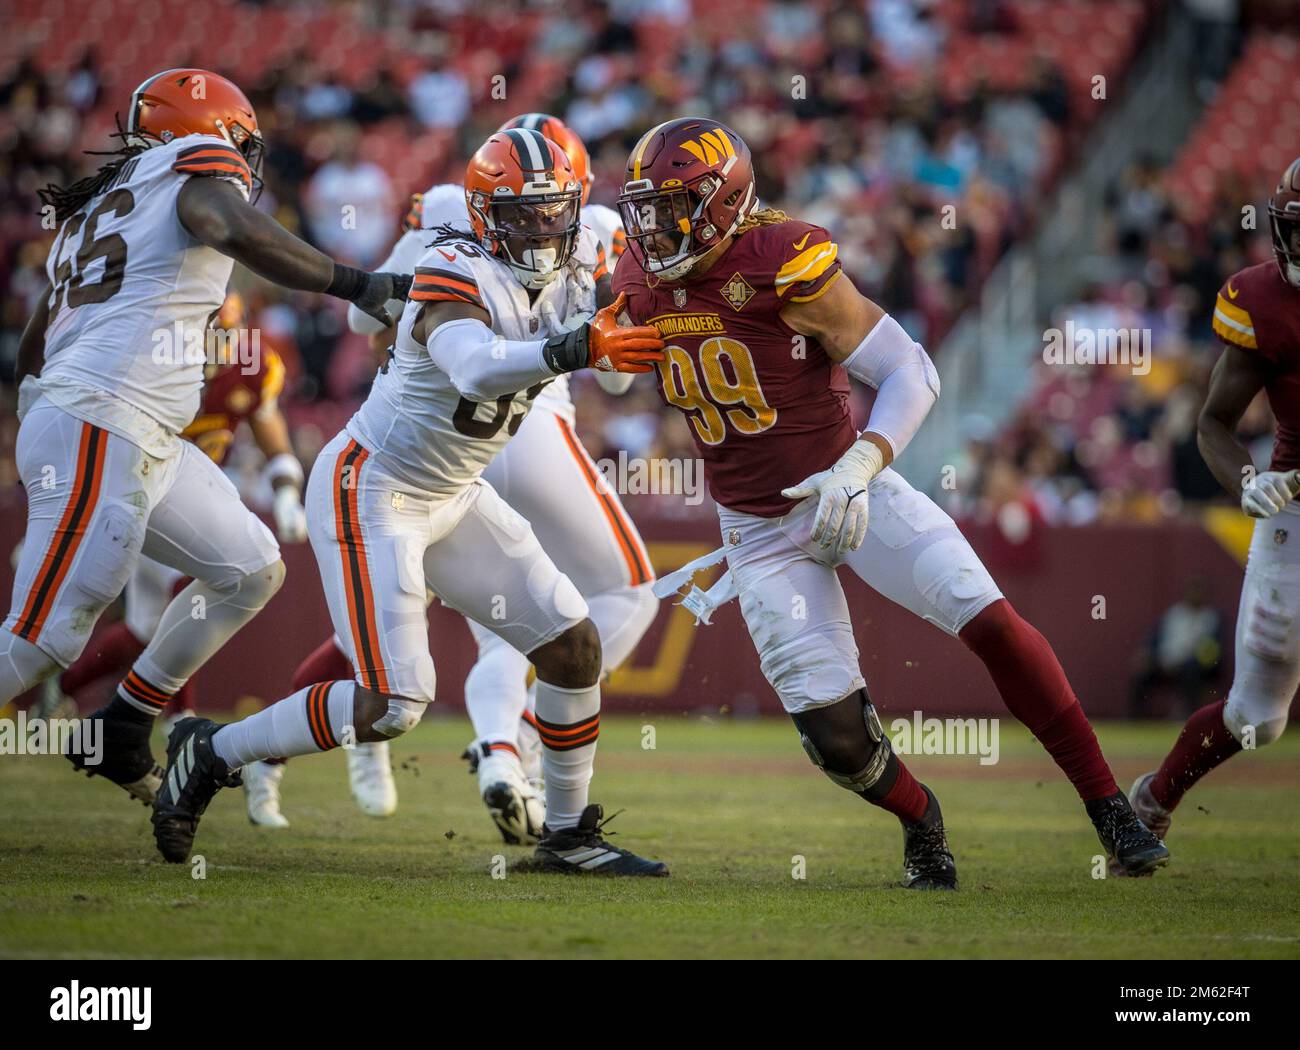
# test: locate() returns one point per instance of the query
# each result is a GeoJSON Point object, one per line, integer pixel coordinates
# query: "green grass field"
{"type": "Point", "coordinates": [728, 804]}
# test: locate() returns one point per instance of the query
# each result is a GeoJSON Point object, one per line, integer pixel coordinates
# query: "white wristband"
{"type": "Point", "coordinates": [285, 465]}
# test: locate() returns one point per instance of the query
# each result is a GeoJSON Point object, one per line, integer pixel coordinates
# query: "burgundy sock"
{"type": "Point", "coordinates": [326, 664]}
{"type": "Point", "coordinates": [1203, 744]}
{"type": "Point", "coordinates": [1033, 685]}
{"type": "Point", "coordinates": [906, 799]}
{"type": "Point", "coordinates": [112, 652]}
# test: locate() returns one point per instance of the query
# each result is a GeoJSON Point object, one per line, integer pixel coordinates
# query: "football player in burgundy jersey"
{"type": "Point", "coordinates": [763, 331]}
{"type": "Point", "coordinates": [1257, 317]}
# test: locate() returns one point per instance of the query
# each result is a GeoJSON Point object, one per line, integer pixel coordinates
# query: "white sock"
{"type": "Point", "coordinates": [568, 721]}
{"type": "Point", "coordinates": [310, 720]}
{"type": "Point", "coordinates": [496, 687]}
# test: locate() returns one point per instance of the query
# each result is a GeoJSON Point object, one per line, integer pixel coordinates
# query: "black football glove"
{"type": "Point", "coordinates": [369, 291]}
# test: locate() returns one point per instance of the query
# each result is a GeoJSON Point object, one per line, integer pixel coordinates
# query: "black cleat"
{"type": "Point", "coordinates": [927, 860]}
{"type": "Point", "coordinates": [1132, 847]}
{"type": "Point", "coordinates": [583, 851]}
{"type": "Point", "coordinates": [194, 775]}
{"type": "Point", "coordinates": [124, 756]}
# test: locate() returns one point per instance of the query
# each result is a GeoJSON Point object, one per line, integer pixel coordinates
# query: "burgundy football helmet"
{"type": "Point", "coordinates": [1284, 217]}
{"type": "Point", "coordinates": [689, 184]}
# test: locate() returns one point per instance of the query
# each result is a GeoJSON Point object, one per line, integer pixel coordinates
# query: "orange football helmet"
{"type": "Point", "coordinates": [524, 201]}
{"type": "Point", "coordinates": [563, 136]}
{"type": "Point", "coordinates": [179, 102]}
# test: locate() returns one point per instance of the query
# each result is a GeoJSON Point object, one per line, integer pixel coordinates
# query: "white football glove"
{"type": "Point", "coordinates": [841, 522]}
{"type": "Point", "coordinates": [290, 518]}
{"type": "Point", "coordinates": [1269, 492]}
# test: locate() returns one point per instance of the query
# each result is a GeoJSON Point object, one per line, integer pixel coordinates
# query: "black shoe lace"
{"type": "Point", "coordinates": [928, 844]}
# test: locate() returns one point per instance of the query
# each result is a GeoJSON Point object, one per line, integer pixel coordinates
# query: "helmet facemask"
{"type": "Point", "coordinates": [1285, 224]}
{"type": "Point", "coordinates": [534, 234]}
{"type": "Point", "coordinates": [667, 230]}
{"type": "Point", "coordinates": [250, 144]}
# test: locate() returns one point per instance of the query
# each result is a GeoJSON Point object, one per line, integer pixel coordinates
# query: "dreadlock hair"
{"type": "Point", "coordinates": [68, 200]}
{"type": "Point", "coordinates": [447, 232]}
{"type": "Point", "coordinates": [762, 217]}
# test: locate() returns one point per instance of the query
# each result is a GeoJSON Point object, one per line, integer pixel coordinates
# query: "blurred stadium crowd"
{"type": "Point", "coordinates": [867, 116]}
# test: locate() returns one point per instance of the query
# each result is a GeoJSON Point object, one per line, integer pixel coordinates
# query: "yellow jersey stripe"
{"type": "Point", "coordinates": [1241, 316]}
{"type": "Point", "coordinates": [807, 265]}
{"type": "Point", "coordinates": [1231, 331]}
{"type": "Point", "coordinates": [820, 291]}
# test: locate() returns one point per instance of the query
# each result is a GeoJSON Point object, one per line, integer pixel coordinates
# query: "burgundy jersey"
{"type": "Point", "coordinates": [767, 407]}
{"type": "Point", "coordinates": [230, 396]}
{"type": "Point", "coordinates": [1258, 311]}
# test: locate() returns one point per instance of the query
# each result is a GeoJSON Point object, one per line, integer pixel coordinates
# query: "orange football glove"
{"type": "Point", "coordinates": [637, 348]}
{"type": "Point", "coordinates": [603, 345]}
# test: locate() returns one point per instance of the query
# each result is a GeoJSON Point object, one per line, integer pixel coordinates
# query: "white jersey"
{"type": "Point", "coordinates": [133, 295]}
{"type": "Point", "coordinates": [606, 225]}
{"type": "Point", "coordinates": [443, 205]}
{"type": "Point", "coordinates": [414, 421]}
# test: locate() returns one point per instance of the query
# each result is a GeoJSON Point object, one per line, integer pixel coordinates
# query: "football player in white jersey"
{"type": "Point", "coordinates": [548, 477]}
{"type": "Point", "coordinates": [110, 368]}
{"type": "Point", "coordinates": [396, 503]}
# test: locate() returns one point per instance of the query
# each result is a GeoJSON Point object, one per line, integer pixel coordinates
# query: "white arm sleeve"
{"type": "Point", "coordinates": [402, 259]}
{"type": "Point", "coordinates": [482, 365]}
{"type": "Point", "coordinates": [904, 377]}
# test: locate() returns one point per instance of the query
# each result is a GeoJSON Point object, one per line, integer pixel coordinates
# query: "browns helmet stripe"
{"type": "Point", "coordinates": [531, 149]}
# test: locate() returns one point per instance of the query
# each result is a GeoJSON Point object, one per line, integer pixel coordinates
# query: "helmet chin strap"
{"type": "Point", "coordinates": [678, 270]}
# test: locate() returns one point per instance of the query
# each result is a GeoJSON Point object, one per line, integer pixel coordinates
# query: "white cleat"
{"type": "Point", "coordinates": [516, 808]}
{"type": "Point", "coordinates": [371, 774]}
{"type": "Point", "coordinates": [262, 793]}
{"type": "Point", "coordinates": [1149, 811]}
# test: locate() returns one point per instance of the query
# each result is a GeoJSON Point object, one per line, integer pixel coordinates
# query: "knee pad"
{"type": "Point", "coordinates": [402, 717]}
{"type": "Point", "coordinates": [850, 732]}
{"type": "Point", "coordinates": [259, 587]}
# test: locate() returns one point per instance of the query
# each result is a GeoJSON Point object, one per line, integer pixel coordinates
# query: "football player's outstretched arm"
{"type": "Point", "coordinates": [483, 365]}
{"type": "Point", "coordinates": [873, 347]}
{"type": "Point", "coordinates": [1236, 380]}
{"type": "Point", "coordinates": [216, 213]}
{"type": "Point", "coordinates": [405, 253]}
